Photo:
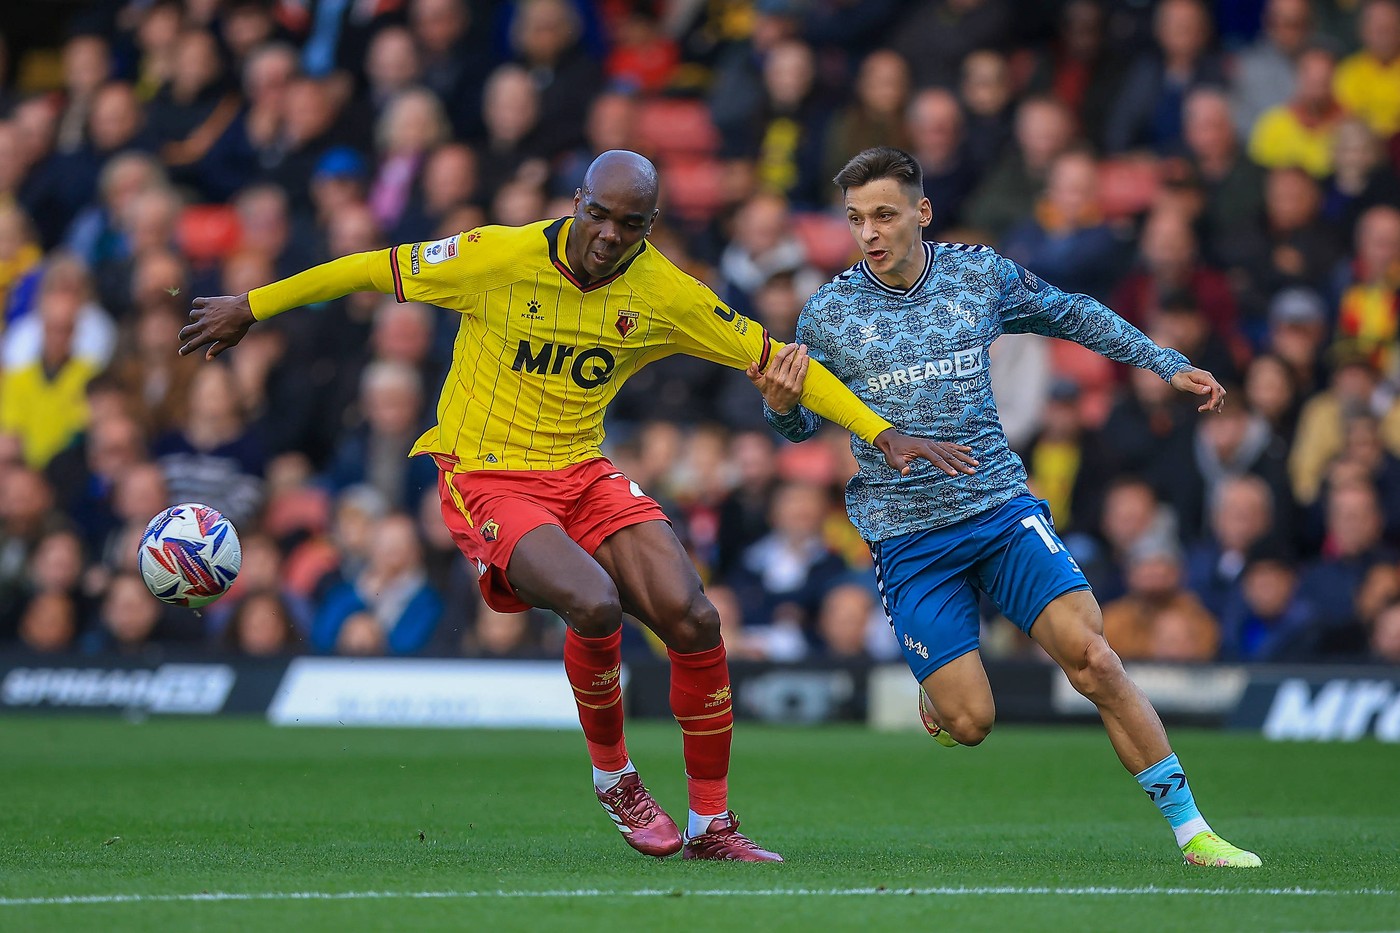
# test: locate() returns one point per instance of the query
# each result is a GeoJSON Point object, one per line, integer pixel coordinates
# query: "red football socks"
{"type": "Point", "coordinates": [593, 666]}
{"type": "Point", "coordinates": [700, 701]}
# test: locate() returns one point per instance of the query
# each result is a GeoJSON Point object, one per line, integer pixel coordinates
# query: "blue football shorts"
{"type": "Point", "coordinates": [929, 580]}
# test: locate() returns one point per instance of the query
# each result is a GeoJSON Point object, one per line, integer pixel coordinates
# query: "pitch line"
{"type": "Point", "coordinates": [219, 896]}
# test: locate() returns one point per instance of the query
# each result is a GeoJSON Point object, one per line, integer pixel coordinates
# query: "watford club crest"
{"type": "Point", "coordinates": [491, 530]}
{"type": "Point", "coordinates": [627, 321]}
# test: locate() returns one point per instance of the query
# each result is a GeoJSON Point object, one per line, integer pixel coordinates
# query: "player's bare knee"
{"type": "Point", "coordinates": [697, 628]}
{"type": "Point", "coordinates": [1098, 671]}
{"type": "Point", "coordinates": [969, 729]}
{"type": "Point", "coordinates": [595, 612]}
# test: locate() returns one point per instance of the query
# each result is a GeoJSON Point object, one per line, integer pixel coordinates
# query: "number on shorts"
{"type": "Point", "coordinates": [1037, 524]}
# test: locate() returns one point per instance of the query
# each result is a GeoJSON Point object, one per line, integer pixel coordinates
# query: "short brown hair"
{"type": "Point", "coordinates": [882, 162]}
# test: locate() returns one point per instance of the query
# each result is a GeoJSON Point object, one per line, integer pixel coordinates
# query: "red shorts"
{"type": "Point", "coordinates": [489, 511]}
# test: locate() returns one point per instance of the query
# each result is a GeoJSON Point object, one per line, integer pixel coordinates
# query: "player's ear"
{"type": "Point", "coordinates": [925, 212]}
{"type": "Point", "coordinates": [651, 221]}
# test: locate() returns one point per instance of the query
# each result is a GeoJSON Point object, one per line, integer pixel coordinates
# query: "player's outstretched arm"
{"type": "Point", "coordinates": [1200, 382]}
{"type": "Point", "coordinates": [782, 384]}
{"type": "Point", "coordinates": [219, 323]}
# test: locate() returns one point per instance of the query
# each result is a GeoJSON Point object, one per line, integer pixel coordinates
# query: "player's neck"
{"type": "Point", "coordinates": [905, 273]}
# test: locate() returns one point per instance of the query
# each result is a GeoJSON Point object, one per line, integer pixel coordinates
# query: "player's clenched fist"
{"type": "Point", "coordinates": [781, 385]}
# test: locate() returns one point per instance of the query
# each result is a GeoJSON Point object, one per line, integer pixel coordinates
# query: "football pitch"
{"type": "Point", "coordinates": [236, 825]}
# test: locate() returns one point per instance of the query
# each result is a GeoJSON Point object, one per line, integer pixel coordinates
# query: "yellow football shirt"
{"type": "Point", "coordinates": [539, 356]}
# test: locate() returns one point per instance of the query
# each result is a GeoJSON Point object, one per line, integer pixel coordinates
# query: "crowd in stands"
{"type": "Point", "coordinates": [1224, 176]}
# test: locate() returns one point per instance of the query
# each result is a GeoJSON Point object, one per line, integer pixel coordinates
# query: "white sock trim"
{"type": "Point", "coordinates": [1190, 829]}
{"type": "Point", "coordinates": [697, 823]}
{"type": "Point", "coordinates": [605, 781]}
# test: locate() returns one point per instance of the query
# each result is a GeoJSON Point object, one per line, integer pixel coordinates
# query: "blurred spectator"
{"type": "Point", "coordinates": [1297, 334]}
{"type": "Point", "coordinates": [1067, 241]}
{"type": "Point", "coordinates": [87, 63]}
{"type": "Point", "coordinates": [85, 476]}
{"type": "Point", "coordinates": [132, 622]}
{"type": "Point", "coordinates": [411, 125]}
{"type": "Point", "coordinates": [1241, 516]}
{"type": "Point", "coordinates": [192, 111]}
{"type": "Point", "coordinates": [213, 458]}
{"type": "Point", "coordinates": [1266, 619]}
{"type": "Point", "coordinates": [392, 66]}
{"type": "Point", "coordinates": [545, 39]}
{"type": "Point", "coordinates": [1131, 515]}
{"type": "Point", "coordinates": [985, 91]}
{"type": "Point", "coordinates": [785, 574]}
{"type": "Point", "coordinates": [1169, 261]}
{"type": "Point", "coordinates": [875, 115]}
{"type": "Point", "coordinates": [935, 127]}
{"type": "Point", "coordinates": [500, 634]}
{"type": "Point", "coordinates": [1321, 424]}
{"type": "Point", "coordinates": [376, 454]}
{"type": "Point", "coordinates": [1078, 69]}
{"type": "Point", "coordinates": [1294, 246]}
{"type": "Point", "coordinates": [743, 513]}
{"type": "Point", "coordinates": [456, 58]}
{"type": "Point", "coordinates": [1300, 134]}
{"type": "Point", "coordinates": [936, 36]}
{"type": "Point", "coordinates": [448, 181]}
{"type": "Point", "coordinates": [1385, 636]}
{"type": "Point", "coordinates": [1150, 432]}
{"type": "Point", "coordinates": [1271, 392]}
{"type": "Point", "coordinates": [389, 606]}
{"type": "Point", "coordinates": [43, 402]}
{"type": "Point", "coordinates": [49, 623]}
{"type": "Point", "coordinates": [763, 246]}
{"type": "Point", "coordinates": [1065, 463]}
{"type": "Point", "coordinates": [96, 234]}
{"type": "Point", "coordinates": [1366, 83]}
{"type": "Point", "coordinates": [851, 624]}
{"type": "Point", "coordinates": [339, 181]}
{"type": "Point", "coordinates": [307, 127]}
{"type": "Point", "coordinates": [1368, 317]}
{"type": "Point", "coordinates": [157, 35]}
{"type": "Point", "coordinates": [1363, 458]}
{"type": "Point", "coordinates": [319, 563]}
{"type": "Point", "coordinates": [1179, 324]}
{"type": "Point", "coordinates": [1232, 186]}
{"type": "Point", "coordinates": [1235, 444]}
{"type": "Point", "coordinates": [262, 626]}
{"type": "Point", "coordinates": [1147, 111]}
{"type": "Point", "coordinates": [785, 134]}
{"type": "Point", "coordinates": [1352, 547]}
{"type": "Point", "coordinates": [20, 258]}
{"type": "Point", "coordinates": [611, 124]}
{"type": "Point", "coordinates": [1157, 618]}
{"type": "Point", "coordinates": [26, 516]}
{"type": "Point", "coordinates": [64, 298]}
{"type": "Point", "coordinates": [1043, 129]}
{"type": "Point", "coordinates": [511, 109]}
{"type": "Point", "coordinates": [736, 86]}
{"type": "Point", "coordinates": [1360, 180]}
{"type": "Point", "coordinates": [1266, 70]}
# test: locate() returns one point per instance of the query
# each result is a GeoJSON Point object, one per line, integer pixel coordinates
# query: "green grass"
{"type": "Point", "coordinates": [241, 807]}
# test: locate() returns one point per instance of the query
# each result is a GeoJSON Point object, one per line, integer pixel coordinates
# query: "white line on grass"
{"type": "Point", "coordinates": [678, 892]}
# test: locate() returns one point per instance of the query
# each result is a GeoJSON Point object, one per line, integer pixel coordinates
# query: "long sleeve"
{"type": "Point", "coordinates": [801, 422]}
{"type": "Point", "coordinates": [358, 272]}
{"type": "Point", "coordinates": [712, 331]}
{"type": "Point", "coordinates": [1031, 306]}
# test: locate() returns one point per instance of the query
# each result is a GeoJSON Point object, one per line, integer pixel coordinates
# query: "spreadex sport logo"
{"type": "Point", "coordinates": [961, 365]}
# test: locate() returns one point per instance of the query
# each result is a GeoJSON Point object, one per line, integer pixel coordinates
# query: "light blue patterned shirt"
{"type": "Point", "coordinates": [919, 358]}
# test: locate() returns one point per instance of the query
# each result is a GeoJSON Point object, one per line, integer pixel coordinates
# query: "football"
{"type": "Point", "coordinates": [189, 555]}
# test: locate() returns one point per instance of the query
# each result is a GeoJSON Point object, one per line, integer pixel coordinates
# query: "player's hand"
{"type": "Point", "coordinates": [901, 450]}
{"type": "Point", "coordinates": [1200, 382]}
{"type": "Point", "coordinates": [216, 323]}
{"type": "Point", "coordinates": [781, 382]}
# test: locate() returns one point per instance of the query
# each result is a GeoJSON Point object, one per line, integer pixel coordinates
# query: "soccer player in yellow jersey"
{"type": "Point", "coordinates": [555, 315]}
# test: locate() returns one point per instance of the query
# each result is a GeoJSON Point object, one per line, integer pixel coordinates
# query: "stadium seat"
{"type": "Point", "coordinates": [827, 240]}
{"type": "Point", "coordinates": [1127, 186]}
{"type": "Point", "coordinates": [694, 187]}
{"type": "Point", "coordinates": [669, 127]}
{"type": "Point", "coordinates": [208, 232]}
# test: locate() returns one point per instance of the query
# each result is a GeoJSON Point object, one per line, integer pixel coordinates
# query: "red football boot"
{"type": "Point", "coordinates": [639, 818]}
{"type": "Point", "coordinates": [723, 842]}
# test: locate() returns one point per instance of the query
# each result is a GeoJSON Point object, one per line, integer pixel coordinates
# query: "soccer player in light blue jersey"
{"type": "Point", "coordinates": [908, 330]}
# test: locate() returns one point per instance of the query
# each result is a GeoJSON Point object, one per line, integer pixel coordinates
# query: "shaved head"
{"type": "Point", "coordinates": [622, 173]}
